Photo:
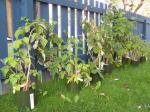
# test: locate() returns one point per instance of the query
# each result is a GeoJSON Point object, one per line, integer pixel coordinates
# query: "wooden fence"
{"type": "Point", "coordinates": [68, 15]}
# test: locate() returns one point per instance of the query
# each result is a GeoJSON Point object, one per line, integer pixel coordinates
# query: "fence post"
{"type": "Point", "coordinates": [144, 29]}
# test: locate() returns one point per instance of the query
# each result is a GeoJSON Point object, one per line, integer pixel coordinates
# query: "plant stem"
{"type": "Point", "coordinates": [29, 66]}
{"type": "Point", "coordinates": [28, 72]}
{"type": "Point", "coordinates": [99, 56]}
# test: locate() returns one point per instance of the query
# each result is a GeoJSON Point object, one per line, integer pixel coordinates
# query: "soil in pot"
{"type": "Point", "coordinates": [135, 62]}
{"type": "Point", "coordinates": [95, 78]}
{"type": "Point", "coordinates": [126, 60]}
{"type": "Point", "coordinates": [142, 59]}
{"type": "Point", "coordinates": [107, 69]}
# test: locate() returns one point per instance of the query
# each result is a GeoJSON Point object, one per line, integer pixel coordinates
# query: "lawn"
{"type": "Point", "coordinates": [125, 90]}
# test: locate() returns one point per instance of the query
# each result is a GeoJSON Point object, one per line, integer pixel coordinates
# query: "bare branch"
{"type": "Point", "coordinates": [139, 6]}
{"type": "Point", "coordinates": [125, 4]}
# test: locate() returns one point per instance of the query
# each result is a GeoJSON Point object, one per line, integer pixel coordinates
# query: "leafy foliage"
{"type": "Point", "coordinates": [32, 41]}
{"type": "Point", "coordinates": [113, 39]}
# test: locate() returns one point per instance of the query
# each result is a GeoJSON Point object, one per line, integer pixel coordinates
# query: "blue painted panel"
{"type": "Point", "coordinates": [96, 18]}
{"type": "Point", "coordinates": [27, 9]}
{"type": "Point", "coordinates": [16, 14]}
{"type": "Point", "coordinates": [55, 18]}
{"type": "Point", "coordinates": [148, 32]}
{"type": "Point", "coordinates": [84, 57]}
{"type": "Point", "coordinates": [72, 23]}
{"type": "Point", "coordinates": [97, 4]}
{"type": "Point", "coordinates": [64, 22]}
{"type": "Point", "coordinates": [92, 16]}
{"type": "Point", "coordinates": [79, 2]}
{"type": "Point", "coordinates": [92, 3]}
{"type": "Point", "coordinates": [85, 2]}
{"type": "Point", "coordinates": [44, 11]}
{"type": "Point", "coordinates": [140, 27]}
{"type": "Point", "coordinates": [3, 34]}
{"type": "Point", "coordinates": [79, 18]}
{"type": "Point", "coordinates": [144, 30]}
{"type": "Point", "coordinates": [101, 6]}
{"type": "Point", "coordinates": [79, 27]}
{"type": "Point", "coordinates": [106, 6]}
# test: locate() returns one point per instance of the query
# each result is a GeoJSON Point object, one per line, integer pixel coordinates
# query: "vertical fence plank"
{"type": "Point", "coordinates": [147, 31]}
{"type": "Point", "coordinates": [44, 11]}
{"type": "Point", "coordinates": [69, 22]}
{"type": "Point", "coordinates": [91, 3]}
{"type": "Point", "coordinates": [79, 17]}
{"type": "Point", "coordinates": [64, 22]}
{"type": "Point", "coordinates": [83, 36]}
{"type": "Point", "coordinates": [55, 18]}
{"type": "Point", "coordinates": [16, 14]}
{"type": "Point", "coordinates": [59, 20]}
{"type": "Point", "coordinates": [97, 19]}
{"type": "Point", "coordinates": [144, 29]}
{"type": "Point", "coordinates": [50, 6]}
{"type": "Point", "coordinates": [72, 23]}
{"type": "Point", "coordinates": [76, 27]}
{"type": "Point", "coordinates": [27, 9]}
{"type": "Point", "coordinates": [3, 34]}
{"type": "Point", "coordinates": [91, 16]}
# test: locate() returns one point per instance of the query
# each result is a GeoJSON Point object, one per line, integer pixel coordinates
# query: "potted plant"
{"type": "Point", "coordinates": [30, 45]}
{"type": "Point", "coordinates": [19, 70]}
{"type": "Point", "coordinates": [69, 67]}
{"type": "Point", "coordinates": [140, 49]}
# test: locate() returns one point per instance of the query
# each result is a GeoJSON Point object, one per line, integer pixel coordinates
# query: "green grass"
{"type": "Point", "coordinates": [125, 90]}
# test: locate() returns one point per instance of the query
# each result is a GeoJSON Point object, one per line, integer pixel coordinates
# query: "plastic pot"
{"type": "Point", "coordinates": [95, 78]}
{"type": "Point", "coordinates": [135, 62]}
{"type": "Point", "coordinates": [126, 60]}
{"type": "Point", "coordinates": [107, 69]}
{"type": "Point", "coordinates": [142, 59]}
{"type": "Point", "coordinates": [26, 99]}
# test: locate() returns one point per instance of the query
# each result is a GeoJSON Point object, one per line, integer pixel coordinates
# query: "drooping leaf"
{"type": "Point", "coordinates": [19, 31]}
{"type": "Point", "coordinates": [43, 42]}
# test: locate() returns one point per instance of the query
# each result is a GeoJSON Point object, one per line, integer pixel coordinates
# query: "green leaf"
{"type": "Point", "coordinates": [43, 42]}
{"type": "Point", "coordinates": [62, 74]}
{"type": "Point", "coordinates": [17, 44]}
{"type": "Point", "coordinates": [76, 98]}
{"type": "Point", "coordinates": [17, 88]}
{"type": "Point", "coordinates": [5, 70]}
{"type": "Point", "coordinates": [13, 63]}
{"type": "Point", "coordinates": [19, 32]}
{"type": "Point", "coordinates": [96, 50]}
{"type": "Point", "coordinates": [98, 85]}
{"type": "Point", "coordinates": [45, 93]}
{"type": "Point", "coordinates": [33, 85]}
{"type": "Point", "coordinates": [13, 80]}
{"type": "Point", "coordinates": [25, 40]}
